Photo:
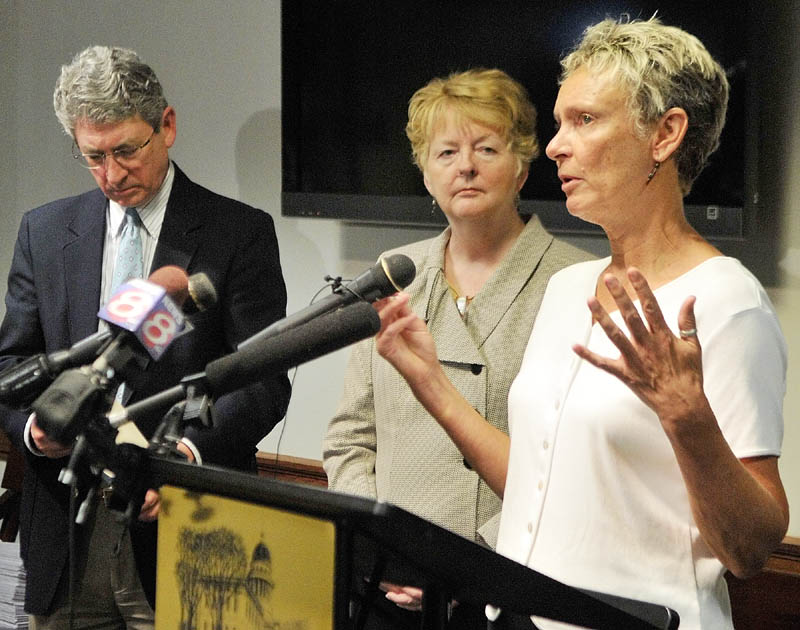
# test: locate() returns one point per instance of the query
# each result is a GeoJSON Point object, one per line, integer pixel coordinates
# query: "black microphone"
{"type": "Point", "coordinates": [22, 383]}
{"type": "Point", "coordinates": [271, 355]}
{"type": "Point", "coordinates": [148, 320]}
{"type": "Point", "coordinates": [388, 276]}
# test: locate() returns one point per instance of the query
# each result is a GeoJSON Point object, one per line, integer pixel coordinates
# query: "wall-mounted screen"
{"type": "Point", "coordinates": [349, 68]}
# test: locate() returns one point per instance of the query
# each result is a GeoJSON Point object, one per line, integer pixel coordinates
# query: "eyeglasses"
{"type": "Point", "coordinates": [124, 156]}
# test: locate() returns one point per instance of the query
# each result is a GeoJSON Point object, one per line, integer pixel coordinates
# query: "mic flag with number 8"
{"type": "Point", "coordinates": [145, 309]}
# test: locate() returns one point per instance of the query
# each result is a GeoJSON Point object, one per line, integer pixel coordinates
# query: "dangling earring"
{"type": "Point", "coordinates": [652, 173]}
{"type": "Point", "coordinates": [433, 206]}
{"type": "Point", "coordinates": [517, 201]}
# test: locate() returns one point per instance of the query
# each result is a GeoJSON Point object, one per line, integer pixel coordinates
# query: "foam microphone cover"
{"type": "Point", "coordinates": [292, 347]}
{"type": "Point", "coordinates": [202, 294]}
{"type": "Point", "coordinates": [174, 280]}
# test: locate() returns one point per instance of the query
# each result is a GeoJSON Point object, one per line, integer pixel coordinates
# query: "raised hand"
{"type": "Point", "coordinates": [404, 340]}
{"type": "Point", "coordinates": [663, 370]}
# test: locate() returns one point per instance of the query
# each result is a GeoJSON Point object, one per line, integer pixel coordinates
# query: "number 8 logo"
{"type": "Point", "coordinates": [159, 329]}
{"type": "Point", "coordinates": [129, 305]}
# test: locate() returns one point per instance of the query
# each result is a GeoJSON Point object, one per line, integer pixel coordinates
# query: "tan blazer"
{"type": "Point", "coordinates": [383, 444]}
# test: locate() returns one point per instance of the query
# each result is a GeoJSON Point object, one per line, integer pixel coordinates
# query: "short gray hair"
{"type": "Point", "coordinates": [660, 67]}
{"type": "Point", "coordinates": [104, 84]}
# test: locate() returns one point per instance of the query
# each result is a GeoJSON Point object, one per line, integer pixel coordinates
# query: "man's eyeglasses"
{"type": "Point", "coordinates": [124, 156]}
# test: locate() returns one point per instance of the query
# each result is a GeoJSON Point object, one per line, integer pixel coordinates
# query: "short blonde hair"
{"type": "Point", "coordinates": [486, 96]}
{"type": "Point", "coordinates": [660, 67]}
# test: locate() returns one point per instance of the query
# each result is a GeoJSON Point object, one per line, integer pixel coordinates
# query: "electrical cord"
{"type": "Point", "coordinates": [335, 283]}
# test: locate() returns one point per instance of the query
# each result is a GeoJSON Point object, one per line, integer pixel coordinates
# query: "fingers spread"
{"type": "Point", "coordinates": [650, 307]}
{"type": "Point", "coordinates": [614, 333]}
{"type": "Point", "coordinates": [627, 309]}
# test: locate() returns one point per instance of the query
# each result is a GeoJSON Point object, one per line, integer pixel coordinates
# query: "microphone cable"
{"type": "Point", "coordinates": [332, 282]}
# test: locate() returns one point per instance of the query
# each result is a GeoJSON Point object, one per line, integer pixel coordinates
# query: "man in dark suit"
{"type": "Point", "coordinates": [113, 106]}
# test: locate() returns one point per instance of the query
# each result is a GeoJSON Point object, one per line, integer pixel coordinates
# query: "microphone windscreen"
{"type": "Point", "coordinates": [399, 269]}
{"type": "Point", "coordinates": [292, 347]}
{"type": "Point", "coordinates": [202, 293]}
{"type": "Point", "coordinates": [175, 280]}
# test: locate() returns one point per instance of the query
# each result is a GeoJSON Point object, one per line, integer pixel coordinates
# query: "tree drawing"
{"type": "Point", "coordinates": [212, 566]}
{"type": "Point", "coordinates": [224, 563]}
{"type": "Point", "coordinates": [189, 575]}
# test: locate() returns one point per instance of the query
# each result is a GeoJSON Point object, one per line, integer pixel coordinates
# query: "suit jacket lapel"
{"type": "Point", "coordinates": [438, 309]}
{"type": "Point", "coordinates": [510, 277]}
{"type": "Point", "coordinates": [83, 262]}
{"type": "Point", "coordinates": [454, 342]}
{"type": "Point", "coordinates": [180, 231]}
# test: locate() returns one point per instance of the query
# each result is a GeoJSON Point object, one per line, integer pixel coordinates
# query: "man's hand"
{"type": "Point", "coordinates": [152, 499]}
{"type": "Point", "coordinates": [408, 597]}
{"type": "Point", "coordinates": [47, 447]}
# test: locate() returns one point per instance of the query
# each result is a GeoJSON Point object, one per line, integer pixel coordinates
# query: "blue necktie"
{"type": "Point", "coordinates": [129, 262]}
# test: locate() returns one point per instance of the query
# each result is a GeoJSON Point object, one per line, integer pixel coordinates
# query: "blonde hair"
{"type": "Point", "coordinates": [488, 97]}
{"type": "Point", "coordinates": [660, 67]}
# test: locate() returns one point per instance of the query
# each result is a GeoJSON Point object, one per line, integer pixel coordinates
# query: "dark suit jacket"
{"type": "Point", "coordinates": [52, 302]}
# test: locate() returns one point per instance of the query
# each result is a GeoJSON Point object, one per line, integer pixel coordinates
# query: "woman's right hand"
{"type": "Point", "coordinates": [404, 340]}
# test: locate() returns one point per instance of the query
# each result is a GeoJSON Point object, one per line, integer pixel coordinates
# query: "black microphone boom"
{"type": "Point", "coordinates": [22, 383]}
{"type": "Point", "coordinates": [263, 357]}
{"type": "Point", "coordinates": [388, 276]}
{"type": "Point", "coordinates": [298, 345]}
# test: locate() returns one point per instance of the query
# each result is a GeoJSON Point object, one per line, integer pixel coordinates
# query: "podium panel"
{"type": "Point", "coordinates": [226, 563]}
{"type": "Point", "coordinates": [349, 544]}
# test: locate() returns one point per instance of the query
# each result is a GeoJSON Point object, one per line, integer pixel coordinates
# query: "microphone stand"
{"type": "Point", "coordinates": [116, 471]}
{"type": "Point", "coordinates": [196, 407]}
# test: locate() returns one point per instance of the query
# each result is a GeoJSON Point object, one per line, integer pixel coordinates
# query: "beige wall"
{"type": "Point", "coordinates": [786, 295]}
{"type": "Point", "coordinates": [220, 64]}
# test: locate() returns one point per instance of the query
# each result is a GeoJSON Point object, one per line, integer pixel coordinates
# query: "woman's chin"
{"type": "Point", "coordinates": [574, 208]}
{"type": "Point", "coordinates": [580, 211]}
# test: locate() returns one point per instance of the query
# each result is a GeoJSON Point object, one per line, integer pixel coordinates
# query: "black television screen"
{"type": "Point", "coordinates": [349, 68]}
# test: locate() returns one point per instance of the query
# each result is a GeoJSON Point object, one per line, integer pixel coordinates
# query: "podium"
{"type": "Point", "coordinates": [376, 541]}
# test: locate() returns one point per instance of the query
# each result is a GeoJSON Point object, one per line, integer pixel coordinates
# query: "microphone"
{"type": "Point", "coordinates": [22, 383]}
{"type": "Point", "coordinates": [193, 294]}
{"type": "Point", "coordinates": [388, 276]}
{"type": "Point", "coordinates": [271, 355]}
{"type": "Point", "coordinates": [142, 310]}
{"type": "Point", "coordinates": [202, 294]}
{"type": "Point", "coordinates": [145, 309]}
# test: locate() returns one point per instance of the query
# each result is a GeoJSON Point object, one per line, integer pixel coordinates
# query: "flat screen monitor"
{"type": "Point", "coordinates": [349, 68]}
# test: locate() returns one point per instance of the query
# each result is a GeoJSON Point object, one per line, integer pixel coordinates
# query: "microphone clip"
{"type": "Point", "coordinates": [335, 282]}
{"type": "Point", "coordinates": [336, 285]}
{"type": "Point", "coordinates": [197, 407]}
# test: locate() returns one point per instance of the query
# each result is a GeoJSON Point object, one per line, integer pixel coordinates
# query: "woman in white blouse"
{"type": "Point", "coordinates": [645, 430]}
